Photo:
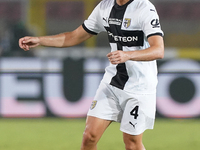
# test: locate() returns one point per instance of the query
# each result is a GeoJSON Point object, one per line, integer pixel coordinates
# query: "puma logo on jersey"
{"type": "Point", "coordinates": [152, 10]}
{"type": "Point", "coordinates": [132, 124]}
{"type": "Point", "coordinates": [105, 19]}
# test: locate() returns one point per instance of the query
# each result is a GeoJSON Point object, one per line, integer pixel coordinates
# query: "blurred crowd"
{"type": "Point", "coordinates": [179, 19]}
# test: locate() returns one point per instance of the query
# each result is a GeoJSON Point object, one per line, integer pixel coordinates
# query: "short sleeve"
{"type": "Point", "coordinates": [149, 21]}
{"type": "Point", "coordinates": [93, 24]}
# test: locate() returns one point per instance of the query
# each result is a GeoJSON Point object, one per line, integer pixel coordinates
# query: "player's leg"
{"type": "Point", "coordinates": [133, 142]}
{"type": "Point", "coordinates": [139, 115]}
{"type": "Point", "coordinates": [103, 110]}
{"type": "Point", "coordinates": [94, 129]}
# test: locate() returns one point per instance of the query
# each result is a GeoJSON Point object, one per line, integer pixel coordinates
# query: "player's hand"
{"type": "Point", "coordinates": [28, 42]}
{"type": "Point", "coordinates": [118, 57]}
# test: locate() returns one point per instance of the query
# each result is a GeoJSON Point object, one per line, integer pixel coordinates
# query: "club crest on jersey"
{"type": "Point", "coordinates": [127, 22]}
{"type": "Point", "coordinates": [94, 103]}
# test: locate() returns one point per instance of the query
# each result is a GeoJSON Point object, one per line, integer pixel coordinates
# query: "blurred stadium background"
{"type": "Point", "coordinates": [60, 83]}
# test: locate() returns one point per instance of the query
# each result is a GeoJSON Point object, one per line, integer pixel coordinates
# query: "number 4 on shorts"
{"type": "Point", "coordinates": [134, 112]}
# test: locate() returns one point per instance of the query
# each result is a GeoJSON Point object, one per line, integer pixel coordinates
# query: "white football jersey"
{"type": "Point", "coordinates": [128, 27]}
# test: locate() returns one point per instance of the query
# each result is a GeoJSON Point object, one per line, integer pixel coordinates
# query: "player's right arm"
{"type": "Point", "coordinates": [66, 39]}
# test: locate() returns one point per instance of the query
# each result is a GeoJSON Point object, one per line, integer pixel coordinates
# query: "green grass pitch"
{"type": "Point", "coordinates": [66, 134]}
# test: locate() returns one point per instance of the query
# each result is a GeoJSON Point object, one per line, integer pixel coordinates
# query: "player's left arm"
{"type": "Point", "coordinates": [154, 52]}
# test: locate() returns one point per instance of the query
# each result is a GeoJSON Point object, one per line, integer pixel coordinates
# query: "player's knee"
{"type": "Point", "coordinates": [133, 142]}
{"type": "Point", "coordinates": [131, 146]}
{"type": "Point", "coordinates": [134, 145]}
{"type": "Point", "coordinates": [89, 138]}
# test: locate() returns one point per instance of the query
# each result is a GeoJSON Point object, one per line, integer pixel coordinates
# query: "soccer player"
{"type": "Point", "coordinates": [127, 92]}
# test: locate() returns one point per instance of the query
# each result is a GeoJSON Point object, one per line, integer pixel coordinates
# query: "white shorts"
{"type": "Point", "coordinates": [135, 112]}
